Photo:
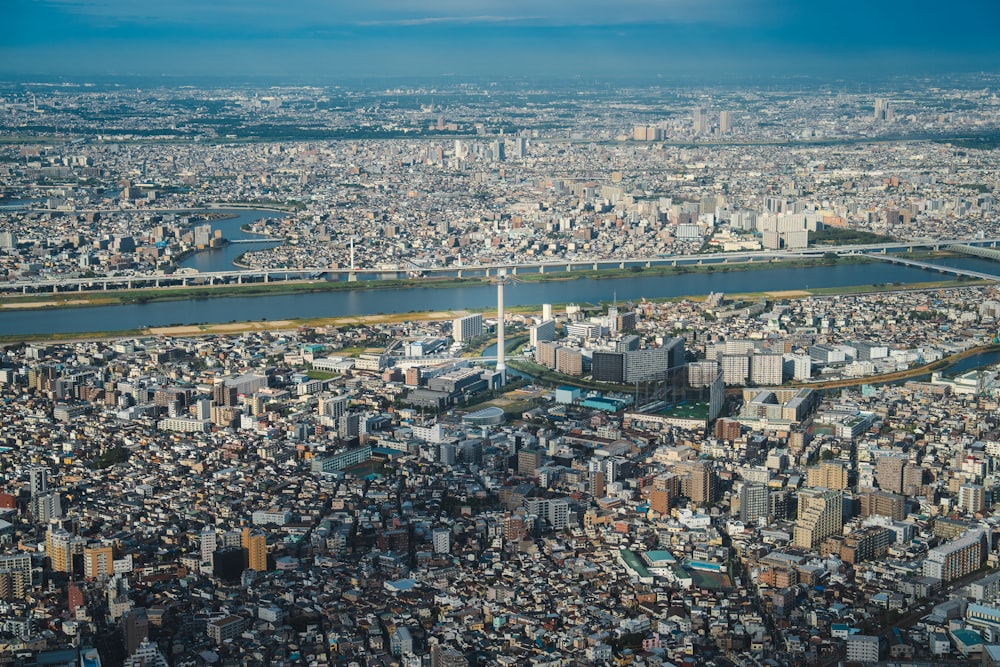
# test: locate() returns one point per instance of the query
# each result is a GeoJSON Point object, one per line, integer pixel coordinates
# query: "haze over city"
{"type": "Point", "coordinates": [499, 333]}
{"type": "Point", "coordinates": [318, 40]}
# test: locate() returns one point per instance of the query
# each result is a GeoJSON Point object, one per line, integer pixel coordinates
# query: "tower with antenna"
{"type": "Point", "coordinates": [502, 278]}
{"type": "Point", "coordinates": [352, 276]}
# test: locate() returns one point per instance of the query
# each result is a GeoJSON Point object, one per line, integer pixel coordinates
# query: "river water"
{"type": "Point", "coordinates": [369, 301]}
{"type": "Point", "coordinates": [221, 259]}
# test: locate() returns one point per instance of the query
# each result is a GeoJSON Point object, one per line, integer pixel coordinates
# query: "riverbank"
{"type": "Point", "coordinates": [236, 327]}
{"type": "Point", "coordinates": [160, 294]}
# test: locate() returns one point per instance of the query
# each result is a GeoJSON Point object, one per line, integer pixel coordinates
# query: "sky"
{"type": "Point", "coordinates": [303, 40]}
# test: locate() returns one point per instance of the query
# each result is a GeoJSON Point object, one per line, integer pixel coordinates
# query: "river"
{"type": "Point", "coordinates": [221, 259]}
{"type": "Point", "coordinates": [368, 301]}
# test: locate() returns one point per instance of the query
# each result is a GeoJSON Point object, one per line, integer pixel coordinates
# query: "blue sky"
{"type": "Point", "coordinates": [302, 39]}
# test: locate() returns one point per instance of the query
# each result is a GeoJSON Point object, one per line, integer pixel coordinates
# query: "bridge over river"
{"type": "Point", "coordinates": [886, 251]}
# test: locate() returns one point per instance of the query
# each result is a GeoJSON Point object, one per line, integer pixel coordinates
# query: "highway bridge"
{"type": "Point", "coordinates": [410, 269]}
{"type": "Point", "coordinates": [940, 268]}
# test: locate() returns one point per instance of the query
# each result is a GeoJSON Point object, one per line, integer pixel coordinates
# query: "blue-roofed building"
{"type": "Point", "coordinates": [968, 642]}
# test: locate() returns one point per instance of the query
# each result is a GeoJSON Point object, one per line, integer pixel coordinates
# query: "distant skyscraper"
{"type": "Point", "coordinates": [725, 122]}
{"type": "Point", "coordinates": [521, 148]}
{"type": "Point", "coordinates": [883, 109]}
{"type": "Point", "coordinates": [700, 118]}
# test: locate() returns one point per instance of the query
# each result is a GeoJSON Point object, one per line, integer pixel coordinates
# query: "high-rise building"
{"type": "Point", "coordinates": [98, 560]}
{"type": "Point", "coordinates": [735, 368]}
{"type": "Point", "coordinates": [753, 502]}
{"type": "Point", "coordinates": [38, 479]}
{"type": "Point", "coordinates": [520, 148]}
{"type": "Point", "coordinates": [766, 369]}
{"type": "Point", "coordinates": [47, 506]}
{"type": "Point", "coordinates": [224, 394]}
{"type": "Point", "coordinates": [972, 498]}
{"type": "Point", "coordinates": [725, 121]}
{"type": "Point", "coordinates": [544, 330]}
{"type": "Point", "coordinates": [598, 483]}
{"type": "Point", "coordinates": [59, 547]}
{"type": "Point", "coordinates": [889, 472]}
{"type": "Point", "coordinates": [209, 542]}
{"type": "Point", "coordinates": [821, 514]}
{"type": "Point", "coordinates": [545, 353]}
{"type": "Point", "coordinates": [332, 407]}
{"type": "Point", "coordinates": [698, 481]}
{"type": "Point", "coordinates": [442, 540]}
{"type": "Point", "coordinates": [464, 328]}
{"type": "Point", "coordinates": [529, 461]}
{"type": "Point", "coordinates": [883, 109]}
{"type": "Point", "coordinates": [136, 628]}
{"type": "Point", "coordinates": [913, 479]}
{"type": "Point", "coordinates": [569, 361]}
{"type": "Point", "coordinates": [255, 544]}
{"type": "Point", "coordinates": [608, 366]}
{"type": "Point", "coordinates": [699, 117]}
{"type": "Point", "coordinates": [647, 363]}
{"type": "Point", "coordinates": [728, 429]}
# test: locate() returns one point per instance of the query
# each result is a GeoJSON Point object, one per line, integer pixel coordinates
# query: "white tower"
{"type": "Point", "coordinates": [352, 276]}
{"type": "Point", "coordinates": [501, 362]}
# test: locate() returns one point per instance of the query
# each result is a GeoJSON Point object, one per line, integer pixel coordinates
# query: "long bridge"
{"type": "Point", "coordinates": [940, 268]}
{"type": "Point", "coordinates": [887, 251]}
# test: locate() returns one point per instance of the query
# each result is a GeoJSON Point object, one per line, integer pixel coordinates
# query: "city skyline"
{"type": "Point", "coordinates": [311, 40]}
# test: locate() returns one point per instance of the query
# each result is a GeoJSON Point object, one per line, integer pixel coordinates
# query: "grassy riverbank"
{"type": "Point", "coordinates": [204, 329]}
{"type": "Point", "coordinates": [78, 299]}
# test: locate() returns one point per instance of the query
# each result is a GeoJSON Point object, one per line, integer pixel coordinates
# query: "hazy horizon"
{"type": "Point", "coordinates": [304, 40]}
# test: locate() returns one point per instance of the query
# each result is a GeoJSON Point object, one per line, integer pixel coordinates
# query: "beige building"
{"type": "Point", "coordinates": [821, 514]}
